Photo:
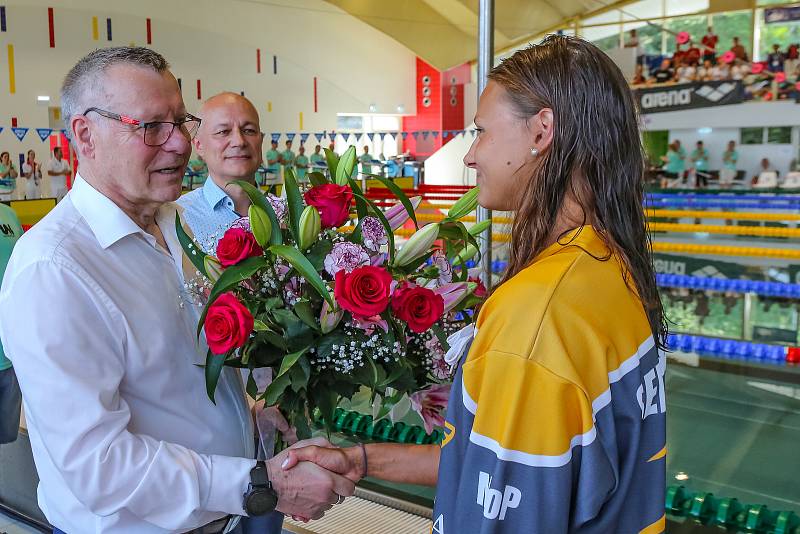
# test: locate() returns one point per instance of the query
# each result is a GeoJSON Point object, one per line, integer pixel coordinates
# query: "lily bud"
{"type": "Point", "coordinates": [329, 319]}
{"type": "Point", "coordinates": [417, 245]}
{"type": "Point", "coordinates": [310, 227]}
{"type": "Point", "coordinates": [464, 205]}
{"type": "Point", "coordinates": [467, 253]}
{"type": "Point", "coordinates": [260, 225]}
{"type": "Point", "coordinates": [397, 214]}
{"type": "Point", "coordinates": [213, 267]}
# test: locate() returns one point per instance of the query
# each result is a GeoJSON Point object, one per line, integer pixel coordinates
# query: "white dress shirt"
{"type": "Point", "coordinates": [95, 318]}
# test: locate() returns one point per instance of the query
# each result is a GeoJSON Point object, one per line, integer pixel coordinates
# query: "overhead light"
{"type": "Point", "coordinates": [43, 98]}
{"type": "Point", "coordinates": [401, 108]}
{"type": "Point", "coordinates": [373, 108]}
{"type": "Point", "coordinates": [704, 131]}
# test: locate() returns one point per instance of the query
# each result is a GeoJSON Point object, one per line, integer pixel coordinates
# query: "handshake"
{"type": "Point", "coordinates": [313, 475]}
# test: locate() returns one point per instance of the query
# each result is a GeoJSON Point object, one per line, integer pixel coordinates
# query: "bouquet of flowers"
{"type": "Point", "coordinates": [314, 287]}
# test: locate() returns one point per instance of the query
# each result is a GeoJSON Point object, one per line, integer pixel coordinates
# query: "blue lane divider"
{"type": "Point", "coordinates": [693, 196]}
{"type": "Point", "coordinates": [759, 287]}
{"type": "Point", "coordinates": [746, 350]}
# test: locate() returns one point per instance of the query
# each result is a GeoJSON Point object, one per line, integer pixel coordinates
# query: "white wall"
{"type": "Point", "coordinates": [446, 165]}
{"type": "Point", "coordinates": [215, 41]}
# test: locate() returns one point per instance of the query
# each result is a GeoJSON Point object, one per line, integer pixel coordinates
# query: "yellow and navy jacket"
{"type": "Point", "coordinates": [556, 421]}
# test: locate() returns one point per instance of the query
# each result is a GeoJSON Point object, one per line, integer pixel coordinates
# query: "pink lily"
{"type": "Point", "coordinates": [453, 293]}
{"type": "Point", "coordinates": [431, 404]}
{"type": "Point", "coordinates": [329, 319]}
{"type": "Point", "coordinates": [397, 214]}
{"type": "Point", "coordinates": [368, 324]}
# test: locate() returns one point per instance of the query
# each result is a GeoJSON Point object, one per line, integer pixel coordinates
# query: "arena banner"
{"type": "Point", "coordinates": [663, 98]}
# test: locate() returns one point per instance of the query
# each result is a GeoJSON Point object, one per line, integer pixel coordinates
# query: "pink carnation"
{"type": "Point", "coordinates": [279, 207]}
{"type": "Point", "coordinates": [373, 233]}
{"type": "Point", "coordinates": [345, 256]}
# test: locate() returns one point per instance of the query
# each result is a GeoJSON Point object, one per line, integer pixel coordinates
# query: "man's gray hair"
{"type": "Point", "coordinates": [84, 77]}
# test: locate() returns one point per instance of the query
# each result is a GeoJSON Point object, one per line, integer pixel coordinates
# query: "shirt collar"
{"type": "Point", "coordinates": [107, 221]}
{"type": "Point", "coordinates": [214, 194]}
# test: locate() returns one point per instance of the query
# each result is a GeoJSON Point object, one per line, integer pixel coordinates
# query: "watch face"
{"type": "Point", "coordinates": [261, 502]}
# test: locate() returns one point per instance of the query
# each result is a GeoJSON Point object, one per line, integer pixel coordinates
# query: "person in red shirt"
{"type": "Point", "coordinates": [710, 46]}
{"type": "Point", "coordinates": [692, 55]}
{"type": "Point", "coordinates": [739, 51]}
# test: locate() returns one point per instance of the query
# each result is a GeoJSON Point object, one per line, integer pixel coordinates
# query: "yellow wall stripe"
{"type": "Point", "coordinates": [12, 80]}
{"type": "Point", "coordinates": [301, 120]}
{"type": "Point", "coordinates": [269, 107]}
{"type": "Point", "coordinates": [95, 31]}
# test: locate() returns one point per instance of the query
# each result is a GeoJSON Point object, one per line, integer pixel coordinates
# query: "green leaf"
{"type": "Point", "coordinates": [401, 196]}
{"type": "Point", "coordinates": [361, 203]}
{"type": "Point", "coordinates": [231, 277]}
{"type": "Point", "coordinates": [319, 250]}
{"type": "Point", "coordinates": [276, 389]}
{"type": "Point", "coordinates": [252, 387]}
{"type": "Point", "coordinates": [327, 399]}
{"type": "Point", "coordinates": [294, 202]}
{"type": "Point", "coordinates": [346, 165]}
{"type": "Point", "coordinates": [257, 198]}
{"type": "Point", "coordinates": [317, 178]}
{"type": "Point", "coordinates": [464, 205]}
{"type": "Point", "coordinates": [289, 360]}
{"type": "Point", "coordinates": [213, 369]}
{"type": "Point", "coordinates": [304, 267]}
{"type": "Point", "coordinates": [306, 314]}
{"type": "Point", "coordinates": [190, 248]}
{"type": "Point", "coordinates": [333, 161]}
{"type": "Point", "coordinates": [260, 326]}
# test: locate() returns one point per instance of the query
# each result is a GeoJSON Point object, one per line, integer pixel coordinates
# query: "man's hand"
{"type": "Point", "coordinates": [307, 490]}
{"type": "Point", "coordinates": [272, 416]}
{"type": "Point", "coordinates": [347, 462]}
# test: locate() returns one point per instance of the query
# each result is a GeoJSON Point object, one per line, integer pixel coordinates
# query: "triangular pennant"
{"type": "Point", "coordinates": [371, 136]}
{"type": "Point", "coordinates": [445, 133]}
{"type": "Point", "coordinates": [415, 134]}
{"type": "Point", "coordinates": [290, 136]}
{"type": "Point", "coordinates": [382, 135]}
{"type": "Point", "coordinates": [435, 135]}
{"type": "Point", "coordinates": [332, 135]}
{"type": "Point", "coordinates": [44, 133]}
{"type": "Point", "coordinates": [425, 134]}
{"type": "Point", "coordinates": [20, 132]}
{"type": "Point", "coordinates": [276, 137]}
{"type": "Point", "coordinates": [461, 132]}
{"type": "Point", "coordinates": [303, 137]}
{"type": "Point", "coordinates": [474, 132]}
{"type": "Point", "coordinates": [319, 136]}
{"type": "Point", "coordinates": [1, 129]}
{"type": "Point", "coordinates": [404, 135]}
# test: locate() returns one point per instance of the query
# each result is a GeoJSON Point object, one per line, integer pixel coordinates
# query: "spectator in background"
{"type": "Point", "coordinates": [674, 164]}
{"type": "Point", "coordinates": [301, 162]}
{"type": "Point", "coordinates": [9, 172]}
{"type": "Point", "coordinates": [684, 72]}
{"type": "Point", "coordinates": [709, 42]}
{"type": "Point", "coordinates": [699, 159]}
{"type": "Point", "coordinates": [739, 51]}
{"type": "Point", "coordinates": [765, 166]}
{"type": "Point", "coordinates": [287, 158]}
{"type": "Point", "coordinates": [663, 74]}
{"type": "Point", "coordinates": [692, 55]}
{"type": "Point", "coordinates": [729, 171]}
{"type": "Point", "coordinates": [721, 71]}
{"type": "Point", "coordinates": [740, 70]}
{"type": "Point", "coordinates": [706, 72]}
{"type": "Point", "coordinates": [332, 147]}
{"type": "Point", "coordinates": [199, 171]}
{"type": "Point", "coordinates": [10, 397]}
{"type": "Point", "coordinates": [638, 75]}
{"type": "Point", "coordinates": [775, 59]}
{"type": "Point", "coordinates": [58, 170]}
{"type": "Point", "coordinates": [366, 161]}
{"type": "Point", "coordinates": [32, 172]}
{"type": "Point", "coordinates": [272, 157]}
{"type": "Point", "coordinates": [633, 42]}
{"type": "Point", "coordinates": [317, 157]}
{"type": "Point", "coordinates": [792, 60]}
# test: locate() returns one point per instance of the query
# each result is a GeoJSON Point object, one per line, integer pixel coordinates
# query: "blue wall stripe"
{"type": "Point", "coordinates": [2, 18]}
{"type": "Point", "coordinates": [274, 64]}
{"type": "Point", "coordinates": [108, 28]}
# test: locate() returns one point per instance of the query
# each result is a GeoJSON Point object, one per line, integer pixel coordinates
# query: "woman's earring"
{"type": "Point", "coordinates": [534, 152]}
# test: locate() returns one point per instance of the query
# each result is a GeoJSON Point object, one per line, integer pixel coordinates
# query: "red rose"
{"type": "Point", "coordinates": [364, 292]}
{"type": "Point", "coordinates": [418, 306]}
{"type": "Point", "coordinates": [480, 290]}
{"type": "Point", "coordinates": [333, 203]}
{"type": "Point", "coordinates": [228, 324]}
{"type": "Point", "coordinates": [237, 245]}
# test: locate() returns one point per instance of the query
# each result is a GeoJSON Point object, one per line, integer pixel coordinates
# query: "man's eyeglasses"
{"type": "Point", "coordinates": [156, 133]}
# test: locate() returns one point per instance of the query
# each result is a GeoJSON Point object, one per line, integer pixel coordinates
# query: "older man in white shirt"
{"type": "Point", "coordinates": [58, 171]}
{"type": "Point", "coordinates": [95, 318]}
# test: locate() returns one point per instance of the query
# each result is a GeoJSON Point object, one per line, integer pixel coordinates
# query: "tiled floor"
{"type": "Point", "coordinates": [11, 526]}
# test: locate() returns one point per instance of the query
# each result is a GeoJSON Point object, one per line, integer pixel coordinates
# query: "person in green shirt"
{"type": "Point", "coordinates": [729, 170]}
{"type": "Point", "coordinates": [317, 156]}
{"type": "Point", "coordinates": [699, 159]}
{"type": "Point", "coordinates": [273, 158]}
{"type": "Point", "coordinates": [196, 165]}
{"type": "Point", "coordinates": [10, 398]}
{"type": "Point", "coordinates": [366, 160]}
{"type": "Point", "coordinates": [287, 158]}
{"type": "Point", "coordinates": [674, 164]}
{"type": "Point", "coordinates": [9, 173]}
{"type": "Point", "coordinates": [301, 162]}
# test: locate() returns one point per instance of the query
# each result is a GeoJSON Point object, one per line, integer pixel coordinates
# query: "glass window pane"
{"type": "Point", "coordinates": [684, 7]}
{"type": "Point", "coordinates": [649, 35]}
{"type": "Point", "coordinates": [349, 122]}
{"type": "Point", "coordinates": [730, 25]}
{"type": "Point", "coordinates": [751, 136]}
{"type": "Point", "coordinates": [604, 37]}
{"type": "Point", "coordinates": [605, 18]}
{"type": "Point", "coordinates": [697, 26]}
{"type": "Point", "coordinates": [781, 33]}
{"type": "Point", "coordinates": [779, 135]}
{"type": "Point", "coordinates": [772, 2]}
{"type": "Point", "coordinates": [647, 9]}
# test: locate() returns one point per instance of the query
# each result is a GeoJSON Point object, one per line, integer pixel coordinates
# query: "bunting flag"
{"type": "Point", "coordinates": [404, 135]}
{"type": "Point", "coordinates": [276, 137]}
{"type": "Point", "coordinates": [371, 136]}
{"type": "Point", "coordinates": [445, 133]}
{"type": "Point", "coordinates": [1, 129]}
{"type": "Point", "coordinates": [20, 132]}
{"type": "Point", "coordinates": [425, 134]}
{"type": "Point", "coordinates": [44, 133]}
{"type": "Point", "coordinates": [332, 135]}
{"type": "Point", "coordinates": [474, 132]}
{"type": "Point", "coordinates": [303, 137]}
{"type": "Point", "coordinates": [382, 135]}
{"type": "Point", "coordinates": [319, 136]}
{"type": "Point", "coordinates": [462, 132]}
{"type": "Point", "coordinates": [290, 136]}
{"type": "Point", "coordinates": [415, 134]}
{"type": "Point", "coordinates": [435, 134]}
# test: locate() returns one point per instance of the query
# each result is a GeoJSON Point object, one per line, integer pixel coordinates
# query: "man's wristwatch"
{"type": "Point", "coordinates": [260, 498]}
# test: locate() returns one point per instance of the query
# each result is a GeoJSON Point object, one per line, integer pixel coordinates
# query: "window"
{"type": "Point", "coordinates": [751, 136]}
{"type": "Point", "coordinates": [730, 25]}
{"type": "Point", "coordinates": [648, 34]}
{"type": "Point", "coordinates": [684, 7]}
{"type": "Point", "coordinates": [697, 26]}
{"type": "Point", "coordinates": [349, 122]}
{"type": "Point", "coordinates": [781, 33]}
{"type": "Point", "coordinates": [779, 135]}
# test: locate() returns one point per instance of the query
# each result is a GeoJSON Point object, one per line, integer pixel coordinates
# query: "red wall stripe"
{"type": "Point", "coordinates": [315, 94]}
{"type": "Point", "coordinates": [13, 122]}
{"type": "Point", "coordinates": [52, 27]}
{"type": "Point", "coordinates": [199, 91]}
{"type": "Point", "coordinates": [149, 33]}
{"type": "Point", "coordinates": [258, 60]}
